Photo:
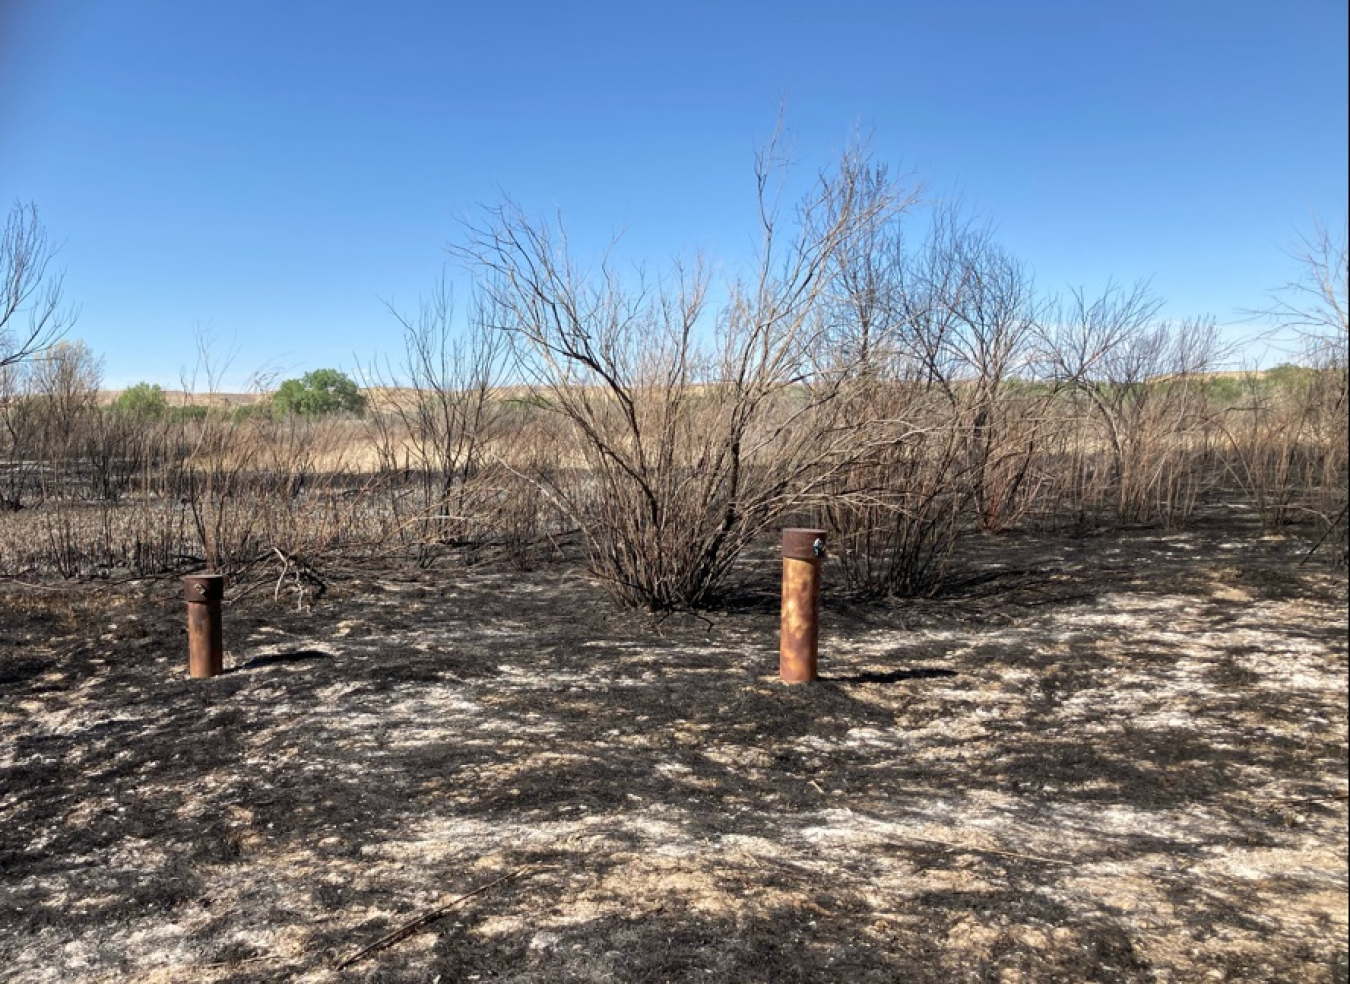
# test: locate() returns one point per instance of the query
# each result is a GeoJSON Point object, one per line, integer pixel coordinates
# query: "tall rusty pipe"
{"type": "Point", "coordinates": [803, 550]}
{"type": "Point", "coordinates": [206, 651]}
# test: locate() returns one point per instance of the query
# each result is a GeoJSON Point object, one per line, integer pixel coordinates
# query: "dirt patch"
{"type": "Point", "coordinates": [1115, 758]}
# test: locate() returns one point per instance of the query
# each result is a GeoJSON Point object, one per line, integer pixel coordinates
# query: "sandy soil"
{"type": "Point", "coordinates": [1113, 758]}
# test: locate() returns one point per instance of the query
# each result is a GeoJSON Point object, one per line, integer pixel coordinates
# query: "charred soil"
{"type": "Point", "coordinates": [1106, 758]}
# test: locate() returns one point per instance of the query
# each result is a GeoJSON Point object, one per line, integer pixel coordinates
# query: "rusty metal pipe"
{"type": "Point", "coordinates": [206, 651]}
{"type": "Point", "coordinates": [803, 550]}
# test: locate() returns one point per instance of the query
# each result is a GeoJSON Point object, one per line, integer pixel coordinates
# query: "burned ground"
{"type": "Point", "coordinates": [1111, 758]}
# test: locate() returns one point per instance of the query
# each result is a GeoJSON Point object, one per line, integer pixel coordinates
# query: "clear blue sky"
{"type": "Point", "coordinates": [270, 170]}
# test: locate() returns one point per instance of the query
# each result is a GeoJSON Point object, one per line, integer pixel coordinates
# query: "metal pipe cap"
{"type": "Point", "coordinates": [802, 543]}
{"type": "Point", "coordinates": [204, 587]}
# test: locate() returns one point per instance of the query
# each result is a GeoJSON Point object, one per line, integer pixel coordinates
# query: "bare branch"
{"type": "Point", "coordinates": [32, 317]}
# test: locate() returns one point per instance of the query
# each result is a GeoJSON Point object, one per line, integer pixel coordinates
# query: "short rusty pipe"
{"type": "Point", "coordinates": [803, 550]}
{"type": "Point", "coordinates": [206, 652]}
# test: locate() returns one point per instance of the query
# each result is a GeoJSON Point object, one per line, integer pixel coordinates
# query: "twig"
{"type": "Point", "coordinates": [37, 587]}
{"type": "Point", "coordinates": [240, 963]}
{"type": "Point", "coordinates": [285, 567]}
{"type": "Point", "coordinates": [659, 619]}
{"type": "Point", "coordinates": [302, 569]}
{"type": "Point", "coordinates": [429, 917]}
{"type": "Point", "coordinates": [1325, 533]}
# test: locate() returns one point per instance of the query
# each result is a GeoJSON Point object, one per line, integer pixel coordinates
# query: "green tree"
{"type": "Point", "coordinates": [250, 411]}
{"type": "Point", "coordinates": [143, 400]}
{"type": "Point", "coordinates": [320, 392]}
{"type": "Point", "coordinates": [1289, 378]}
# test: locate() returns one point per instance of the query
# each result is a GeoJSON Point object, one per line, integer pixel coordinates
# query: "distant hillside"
{"type": "Point", "coordinates": [179, 398]}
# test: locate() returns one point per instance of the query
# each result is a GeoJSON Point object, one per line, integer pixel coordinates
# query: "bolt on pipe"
{"type": "Point", "coordinates": [206, 652]}
{"type": "Point", "coordinates": [803, 551]}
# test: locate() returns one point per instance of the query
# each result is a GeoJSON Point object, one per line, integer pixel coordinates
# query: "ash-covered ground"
{"type": "Point", "coordinates": [1112, 758]}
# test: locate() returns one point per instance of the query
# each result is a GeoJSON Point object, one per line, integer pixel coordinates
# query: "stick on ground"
{"type": "Point", "coordinates": [429, 917]}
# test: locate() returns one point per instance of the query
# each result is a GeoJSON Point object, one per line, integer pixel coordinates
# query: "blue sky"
{"type": "Point", "coordinates": [272, 172]}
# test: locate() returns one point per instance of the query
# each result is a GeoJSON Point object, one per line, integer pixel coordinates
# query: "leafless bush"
{"type": "Point", "coordinates": [1285, 433]}
{"type": "Point", "coordinates": [236, 496]}
{"type": "Point", "coordinates": [681, 450]}
{"type": "Point", "coordinates": [32, 315]}
{"type": "Point", "coordinates": [1286, 428]}
{"type": "Point", "coordinates": [899, 394]}
{"type": "Point", "coordinates": [442, 415]}
{"type": "Point", "coordinates": [894, 509]}
{"type": "Point", "coordinates": [20, 421]}
{"type": "Point", "coordinates": [967, 317]}
{"type": "Point", "coordinates": [1317, 306]}
{"type": "Point", "coordinates": [897, 508]}
{"type": "Point", "coordinates": [1139, 380]}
